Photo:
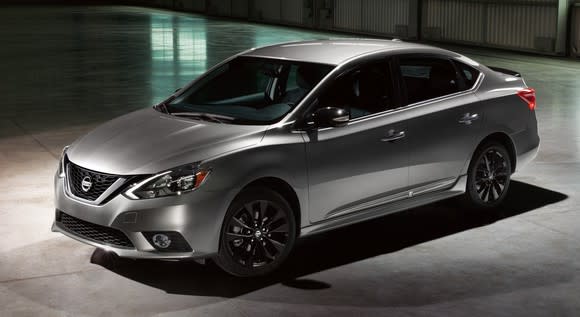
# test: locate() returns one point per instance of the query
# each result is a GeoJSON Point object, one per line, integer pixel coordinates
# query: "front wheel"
{"type": "Point", "coordinates": [488, 176]}
{"type": "Point", "coordinates": [258, 233]}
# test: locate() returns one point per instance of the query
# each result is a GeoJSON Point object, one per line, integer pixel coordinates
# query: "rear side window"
{"type": "Point", "coordinates": [468, 73]}
{"type": "Point", "coordinates": [428, 78]}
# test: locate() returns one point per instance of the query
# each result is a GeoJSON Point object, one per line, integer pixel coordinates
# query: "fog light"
{"type": "Point", "coordinates": [161, 241]}
{"type": "Point", "coordinates": [167, 241]}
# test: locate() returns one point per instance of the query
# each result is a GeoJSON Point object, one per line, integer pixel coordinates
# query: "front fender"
{"type": "Point", "coordinates": [281, 154]}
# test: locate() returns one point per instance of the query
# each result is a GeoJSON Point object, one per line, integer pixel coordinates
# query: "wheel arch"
{"type": "Point", "coordinates": [284, 189]}
{"type": "Point", "coordinates": [504, 140]}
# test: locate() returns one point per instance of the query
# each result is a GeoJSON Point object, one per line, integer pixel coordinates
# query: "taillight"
{"type": "Point", "coordinates": [529, 96]}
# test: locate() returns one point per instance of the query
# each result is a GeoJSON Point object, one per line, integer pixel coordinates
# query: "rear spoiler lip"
{"type": "Point", "coordinates": [505, 71]}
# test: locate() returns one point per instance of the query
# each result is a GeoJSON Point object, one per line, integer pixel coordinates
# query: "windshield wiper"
{"type": "Point", "coordinates": [204, 116]}
{"type": "Point", "coordinates": [162, 106]}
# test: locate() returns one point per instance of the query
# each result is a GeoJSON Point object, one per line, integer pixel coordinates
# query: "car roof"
{"type": "Point", "coordinates": [336, 51]}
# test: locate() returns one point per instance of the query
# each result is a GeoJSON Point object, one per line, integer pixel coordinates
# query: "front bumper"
{"type": "Point", "coordinates": [197, 216]}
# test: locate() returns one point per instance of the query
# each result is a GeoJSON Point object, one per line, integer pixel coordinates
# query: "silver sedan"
{"type": "Point", "coordinates": [289, 140]}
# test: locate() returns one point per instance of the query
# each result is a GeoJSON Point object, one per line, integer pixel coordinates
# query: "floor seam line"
{"type": "Point", "coordinates": [46, 276]}
{"type": "Point", "coordinates": [567, 235]}
{"type": "Point", "coordinates": [34, 138]}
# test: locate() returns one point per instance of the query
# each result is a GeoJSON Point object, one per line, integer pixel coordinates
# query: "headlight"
{"type": "Point", "coordinates": [176, 181]}
{"type": "Point", "coordinates": [61, 170]}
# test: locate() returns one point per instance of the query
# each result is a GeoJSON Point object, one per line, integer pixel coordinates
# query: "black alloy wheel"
{"type": "Point", "coordinates": [259, 232]}
{"type": "Point", "coordinates": [488, 176]}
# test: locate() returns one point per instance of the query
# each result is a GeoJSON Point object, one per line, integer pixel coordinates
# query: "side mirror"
{"type": "Point", "coordinates": [330, 117]}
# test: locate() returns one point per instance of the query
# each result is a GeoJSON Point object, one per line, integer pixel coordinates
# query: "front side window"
{"type": "Point", "coordinates": [428, 78]}
{"type": "Point", "coordinates": [364, 91]}
{"type": "Point", "coordinates": [249, 91]}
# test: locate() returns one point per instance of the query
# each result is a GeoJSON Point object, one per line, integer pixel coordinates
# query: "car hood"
{"type": "Point", "coordinates": [147, 142]}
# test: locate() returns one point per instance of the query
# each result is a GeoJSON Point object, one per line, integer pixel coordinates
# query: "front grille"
{"type": "Point", "coordinates": [100, 182]}
{"type": "Point", "coordinates": [94, 232]}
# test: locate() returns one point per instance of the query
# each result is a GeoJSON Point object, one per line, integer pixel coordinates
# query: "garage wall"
{"type": "Point", "coordinates": [373, 16]}
{"type": "Point", "coordinates": [529, 25]}
{"type": "Point", "coordinates": [219, 7]}
{"type": "Point", "coordinates": [518, 24]}
{"type": "Point", "coordinates": [575, 31]}
{"type": "Point", "coordinates": [292, 11]}
{"type": "Point", "coordinates": [195, 5]}
{"type": "Point", "coordinates": [239, 8]}
{"type": "Point", "coordinates": [267, 10]}
{"type": "Point", "coordinates": [277, 11]}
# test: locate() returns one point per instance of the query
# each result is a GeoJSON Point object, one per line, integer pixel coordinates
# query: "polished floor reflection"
{"type": "Point", "coordinates": [66, 69]}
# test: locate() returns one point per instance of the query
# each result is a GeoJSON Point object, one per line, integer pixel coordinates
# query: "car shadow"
{"type": "Point", "coordinates": [331, 249]}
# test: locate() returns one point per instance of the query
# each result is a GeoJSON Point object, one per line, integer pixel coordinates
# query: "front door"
{"type": "Point", "coordinates": [364, 161]}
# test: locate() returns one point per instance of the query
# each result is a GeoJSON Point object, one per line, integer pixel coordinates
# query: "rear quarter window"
{"type": "Point", "coordinates": [468, 73]}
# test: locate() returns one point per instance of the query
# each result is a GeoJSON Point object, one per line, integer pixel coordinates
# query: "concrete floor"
{"type": "Point", "coordinates": [66, 70]}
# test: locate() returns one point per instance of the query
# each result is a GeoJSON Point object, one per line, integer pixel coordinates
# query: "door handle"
{"type": "Point", "coordinates": [393, 136]}
{"type": "Point", "coordinates": [468, 118]}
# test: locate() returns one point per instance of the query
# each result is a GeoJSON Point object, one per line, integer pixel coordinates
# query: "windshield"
{"type": "Point", "coordinates": [248, 90]}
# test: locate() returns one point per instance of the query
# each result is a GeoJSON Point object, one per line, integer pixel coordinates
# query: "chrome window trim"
{"type": "Point", "coordinates": [422, 103]}
{"type": "Point", "coordinates": [426, 101]}
{"type": "Point", "coordinates": [381, 114]}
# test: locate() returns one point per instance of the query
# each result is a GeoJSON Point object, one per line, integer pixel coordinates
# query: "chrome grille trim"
{"type": "Point", "coordinates": [97, 197]}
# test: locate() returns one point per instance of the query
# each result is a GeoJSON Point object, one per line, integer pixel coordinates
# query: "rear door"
{"type": "Point", "coordinates": [447, 118]}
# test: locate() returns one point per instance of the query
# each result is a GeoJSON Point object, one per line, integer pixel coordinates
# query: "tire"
{"type": "Point", "coordinates": [488, 176]}
{"type": "Point", "coordinates": [257, 235]}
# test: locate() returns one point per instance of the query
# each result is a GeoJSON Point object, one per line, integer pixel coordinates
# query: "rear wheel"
{"type": "Point", "coordinates": [488, 177]}
{"type": "Point", "coordinates": [258, 233]}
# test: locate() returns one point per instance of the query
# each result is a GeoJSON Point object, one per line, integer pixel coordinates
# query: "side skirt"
{"type": "Point", "coordinates": [413, 198]}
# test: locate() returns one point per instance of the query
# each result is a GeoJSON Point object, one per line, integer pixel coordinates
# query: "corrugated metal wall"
{"type": "Point", "coordinates": [194, 5]}
{"type": "Point", "coordinates": [348, 15]}
{"type": "Point", "coordinates": [292, 11]}
{"type": "Point", "coordinates": [522, 24]}
{"type": "Point", "coordinates": [372, 16]}
{"type": "Point", "coordinates": [239, 8]}
{"type": "Point", "coordinates": [219, 7]}
{"type": "Point", "coordinates": [530, 25]}
{"type": "Point", "coordinates": [575, 36]}
{"type": "Point", "coordinates": [452, 20]}
{"type": "Point", "coordinates": [268, 10]}
{"type": "Point", "coordinates": [283, 11]}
